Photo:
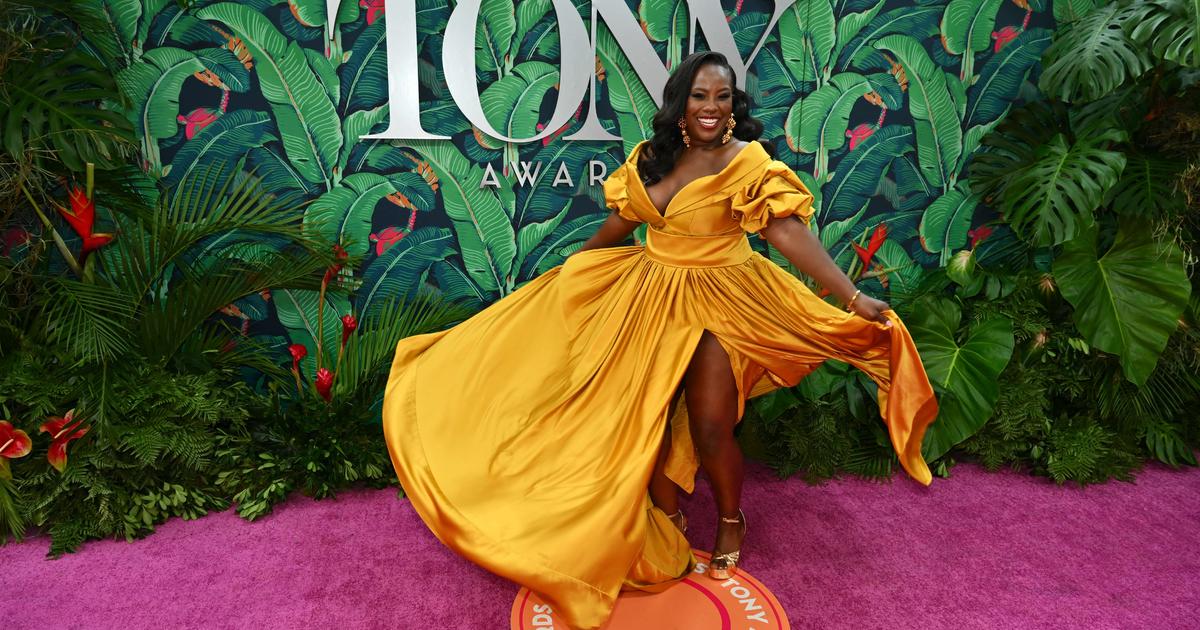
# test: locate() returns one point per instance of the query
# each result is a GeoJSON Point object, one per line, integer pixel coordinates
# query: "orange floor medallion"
{"type": "Point", "coordinates": [696, 603]}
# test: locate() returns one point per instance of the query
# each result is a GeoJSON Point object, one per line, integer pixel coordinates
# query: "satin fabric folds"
{"type": "Point", "coordinates": [525, 437]}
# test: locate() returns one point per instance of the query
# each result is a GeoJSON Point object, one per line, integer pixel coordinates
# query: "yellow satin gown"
{"type": "Point", "coordinates": [525, 437]}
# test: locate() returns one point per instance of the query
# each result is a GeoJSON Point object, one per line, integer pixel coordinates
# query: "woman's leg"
{"type": "Point", "coordinates": [663, 492]}
{"type": "Point", "coordinates": [712, 403]}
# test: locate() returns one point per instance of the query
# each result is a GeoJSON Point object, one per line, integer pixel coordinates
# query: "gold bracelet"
{"type": "Point", "coordinates": [850, 304]}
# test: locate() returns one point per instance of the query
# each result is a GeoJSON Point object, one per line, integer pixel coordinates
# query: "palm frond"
{"type": "Point", "coordinates": [92, 320]}
{"type": "Point", "coordinates": [369, 351]}
{"type": "Point", "coordinates": [193, 298]}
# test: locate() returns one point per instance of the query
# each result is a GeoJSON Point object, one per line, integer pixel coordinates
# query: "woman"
{"type": "Point", "coordinates": [540, 440]}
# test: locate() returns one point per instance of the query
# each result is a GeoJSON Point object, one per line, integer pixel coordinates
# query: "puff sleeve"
{"type": "Point", "coordinates": [775, 193]}
{"type": "Point", "coordinates": [616, 192]}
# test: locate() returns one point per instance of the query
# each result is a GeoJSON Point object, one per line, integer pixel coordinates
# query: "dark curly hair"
{"type": "Point", "coordinates": [666, 144]}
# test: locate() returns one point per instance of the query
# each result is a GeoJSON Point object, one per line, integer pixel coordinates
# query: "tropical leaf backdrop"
{"type": "Point", "coordinates": [877, 104]}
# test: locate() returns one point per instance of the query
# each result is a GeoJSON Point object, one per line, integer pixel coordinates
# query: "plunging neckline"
{"type": "Point", "coordinates": [663, 213]}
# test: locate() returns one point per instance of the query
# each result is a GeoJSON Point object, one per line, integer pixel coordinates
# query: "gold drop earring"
{"type": "Point", "coordinates": [729, 125]}
{"type": "Point", "coordinates": [682, 122]}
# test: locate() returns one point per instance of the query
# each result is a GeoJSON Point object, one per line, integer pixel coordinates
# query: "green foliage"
{"type": "Point", "coordinates": [1128, 300]}
{"type": "Point", "coordinates": [148, 454]}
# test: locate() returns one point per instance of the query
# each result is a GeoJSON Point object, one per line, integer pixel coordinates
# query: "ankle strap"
{"type": "Point", "coordinates": [733, 520]}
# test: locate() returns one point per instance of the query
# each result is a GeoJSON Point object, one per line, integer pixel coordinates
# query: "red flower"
{"type": "Point", "coordinates": [386, 237]}
{"type": "Point", "coordinates": [62, 430]}
{"type": "Point", "coordinates": [979, 234]}
{"type": "Point", "coordinates": [298, 352]}
{"type": "Point", "coordinates": [81, 217]}
{"type": "Point", "coordinates": [324, 383]}
{"type": "Point", "coordinates": [14, 443]}
{"type": "Point", "coordinates": [1005, 35]}
{"type": "Point", "coordinates": [198, 119]}
{"type": "Point", "coordinates": [877, 239]}
{"type": "Point", "coordinates": [859, 133]}
{"type": "Point", "coordinates": [374, 9]}
{"type": "Point", "coordinates": [349, 324]}
{"type": "Point", "coordinates": [13, 237]}
{"type": "Point", "coordinates": [339, 260]}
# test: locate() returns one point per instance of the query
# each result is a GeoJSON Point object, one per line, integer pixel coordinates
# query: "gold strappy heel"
{"type": "Point", "coordinates": [724, 566]}
{"type": "Point", "coordinates": [679, 520]}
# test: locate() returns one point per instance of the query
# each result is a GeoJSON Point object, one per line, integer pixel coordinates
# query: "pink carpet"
{"type": "Point", "coordinates": [978, 550]}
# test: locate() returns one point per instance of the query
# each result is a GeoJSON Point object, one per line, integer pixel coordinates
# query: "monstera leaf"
{"type": "Point", "coordinates": [1091, 56]}
{"type": "Point", "coordinates": [1147, 187]}
{"type": "Point", "coordinates": [817, 123]}
{"type": "Point", "coordinates": [1128, 301]}
{"type": "Point", "coordinates": [1046, 186]}
{"type": "Point", "coordinates": [401, 270]}
{"type": "Point", "coordinates": [1001, 77]}
{"type": "Point", "coordinates": [666, 21]}
{"type": "Point", "coordinates": [513, 103]}
{"type": "Point", "coordinates": [1171, 28]}
{"type": "Point", "coordinates": [939, 137]}
{"type": "Point", "coordinates": [1066, 11]}
{"type": "Point", "coordinates": [946, 221]}
{"type": "Point", "coordinates": [308, 124]}
{"type": "Point", "coordinates": [967, 30]}
{"type": "Point", "coordinates": [967, 370]}
{"type": "Point", "coordinates": [807, 34]}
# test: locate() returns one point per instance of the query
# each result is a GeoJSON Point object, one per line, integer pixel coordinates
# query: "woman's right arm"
{"type": "Point", "coordinates": [613, 231]}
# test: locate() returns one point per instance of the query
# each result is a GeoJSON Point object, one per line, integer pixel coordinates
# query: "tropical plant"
{"type": "Point", "coordinates": [326, 437]}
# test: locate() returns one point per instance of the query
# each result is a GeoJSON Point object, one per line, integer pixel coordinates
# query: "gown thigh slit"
{"type": "Point", "coordinates": [526, 436]}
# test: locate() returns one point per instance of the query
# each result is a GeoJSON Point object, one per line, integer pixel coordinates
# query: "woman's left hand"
{"type": "Point", "coordinates": [868, 307]}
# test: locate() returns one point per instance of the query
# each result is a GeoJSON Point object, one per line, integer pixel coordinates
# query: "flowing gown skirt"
{"type": "Point", "coordinates": [526, 436]}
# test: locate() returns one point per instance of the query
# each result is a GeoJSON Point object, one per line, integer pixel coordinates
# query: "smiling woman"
{"type": "Point", "coordinates": [566, 434]}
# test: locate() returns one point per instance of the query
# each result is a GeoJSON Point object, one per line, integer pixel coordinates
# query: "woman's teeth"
{"type": "Point", "coordinates": [708, 123]}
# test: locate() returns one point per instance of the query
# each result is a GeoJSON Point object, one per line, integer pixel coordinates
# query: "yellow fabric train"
{"type": "Point", "coordinates": [525, 437]}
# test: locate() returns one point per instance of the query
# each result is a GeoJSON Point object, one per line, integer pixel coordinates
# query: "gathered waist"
{"type": "Point", "coordinates": [681, 250]}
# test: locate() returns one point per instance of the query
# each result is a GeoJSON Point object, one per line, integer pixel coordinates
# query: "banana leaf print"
{"type": "Point", "coordinates": [154, 85]}
{"type": "Point", "coordinates": [967, 30]}
{"type": "Point", "coordinates": [666, 21]}
{"type": "Point", "coordinates": [808, 32]}
{"type": "Point", "coordinates": [304, 114]}
{"type": "Point", "coordinates": [879, 103]}
{"type": "Point", "coordinates": [939, 137]}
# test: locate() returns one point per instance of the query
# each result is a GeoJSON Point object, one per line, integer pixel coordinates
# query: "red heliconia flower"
{"type": "Point", "coordinates": [339, 259]}
{"type": "Point", "coordinates": [979, 234]}
{"type": "Point", "coordinates": [349, 324]}
{"type": "Point", "coordinates": [62, 430]}
{"type": "Point", "coordinates": [1005, 35]}
{"type": "Point", "coordinates": [877, 239]}
{"type": "Point", "coordinates": [14, 443]}
{"type": "Point", "coordinates": [324, 383]}
{"type": "Point", "coordinates": [386, 237]}
{"type": "Point", "coordinates": [81, 217]}
{"type": "Point", "coordinates": [374, 9]}
{"type": "Point", "coordinates": [298, 352]}
{"type": "Point", "coordinates": [859, 133]}
{"type": "Point", "coordinates": [198, 119]}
